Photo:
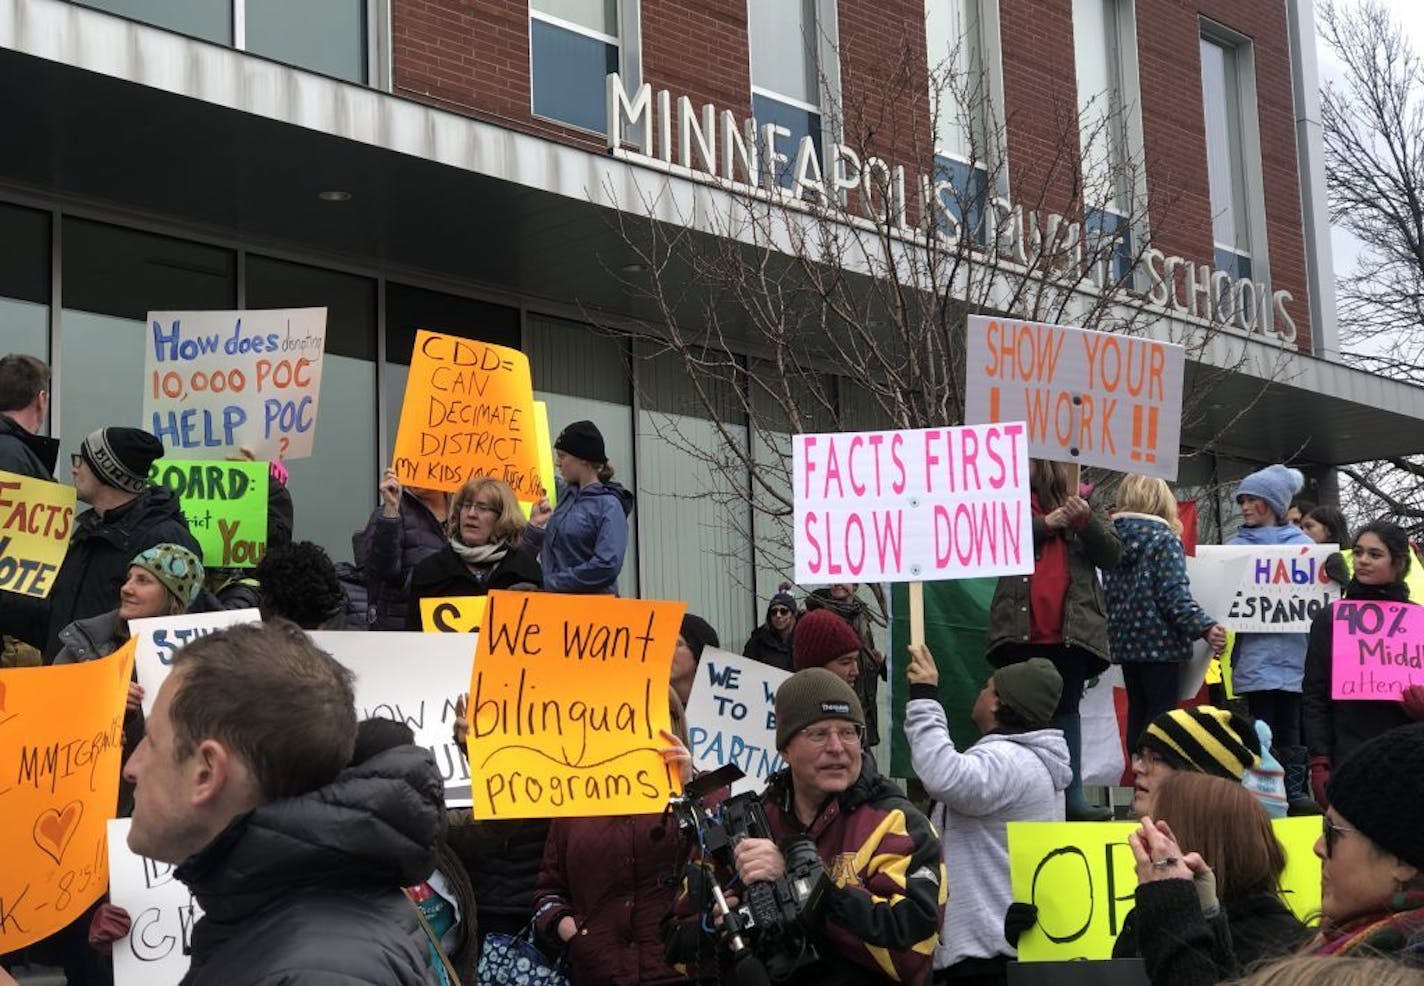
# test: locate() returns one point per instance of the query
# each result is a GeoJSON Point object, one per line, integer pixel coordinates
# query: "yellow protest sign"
{"type": "Point", "coordinates": [568, 700]}
{"type": "Point", "coordinates": [36, 519]}
{"type": "Point", "coordinates": [546, 457]}
{"type": "Point", "coordinates": [452, 614]}
{"type": "Point", "coordinates": [468, 412]}
{"type": "Point", "coordinates": [1082, 878]}
{"type": "Point", "coordinates": [61, 740]}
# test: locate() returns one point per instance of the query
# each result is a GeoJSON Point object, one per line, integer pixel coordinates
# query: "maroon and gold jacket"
{"type": "Point", "coordinates": [884, 910]}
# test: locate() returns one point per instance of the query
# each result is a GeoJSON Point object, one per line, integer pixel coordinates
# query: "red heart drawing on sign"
{"type": "Point", "coordinates": [55, 828]}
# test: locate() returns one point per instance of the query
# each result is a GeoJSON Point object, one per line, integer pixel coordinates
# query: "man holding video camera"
{"type": "Point", "coordinates": [864, 864]}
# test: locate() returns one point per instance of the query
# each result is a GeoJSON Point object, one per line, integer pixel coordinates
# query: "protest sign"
{"type": "Point", "coordinates": [158, 639]}
{"type": "Point", "coordinates": [1376, 649]}
{"type": "Point", "coordinates": [218, 381]}
{"type": "Point", "coordinates": [1082, 878]}
{"type": "Point", "coordinates": [908, 506]}
{"type": "Point", "coordinates": [36, 519]}
{"type": "Point", "coordinates": [545, 445]}
{"type": "Point", "coordinates": [731, 716]}
{"type": "Point", "coordinates": [1095, 398]}
{"type": "Point", "coordinates": [61, 741]}
{"type": "Point", "coordinates": [468, 411]}
{"type": "Point", "coordinates": [452, 614]}
{"type": "Point", "coordinates": [225, 504]}
{"type": "Point", "coordinates": [1263, 588]}
{"type": "Point", "coordinates": [155, 952]}
{"type": "Point", "coordinates": [414, 678]}
{"type": "Point", "coordinates": [568, 702]}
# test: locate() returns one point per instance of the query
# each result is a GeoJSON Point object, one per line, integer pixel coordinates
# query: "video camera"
{"type": "Point", "coordinates": [769, 934]}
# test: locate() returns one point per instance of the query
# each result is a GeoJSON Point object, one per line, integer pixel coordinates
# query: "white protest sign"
{"type": "Point", "coordinates": [414, 678]}
{"type": "Point", "coordinates": [731, 716]}
{"type": "Point", "coordinates": [1097, 398]}
{"type": "Point", "coordinates": [159, 638]}
{"type": "Point", "coordinates": [911, 506]}
{"type": "Point", "coordinates": [216, 381]}
{"type": "Point", "coordinates": [1263, 588]}
{"type": "Point", "coordinates": [156, 950]}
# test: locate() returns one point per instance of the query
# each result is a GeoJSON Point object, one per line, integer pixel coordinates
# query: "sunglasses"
{"type": "Point", "coordinates": [780, 611]}
{"type": "Point", "coordinates": [1333, 833]}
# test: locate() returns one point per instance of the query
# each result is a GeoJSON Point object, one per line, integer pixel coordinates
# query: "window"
{"type": "Point", "coordinates": [325, 36]}
{"type": "Point", "coordinates": [1105, 111]}
{"type": "Point", "coordinates": [333, 491]}
{"type": "Point", "coordinates": [1226, 80]}
{"type": "Point", "coordinates": [959, 106]}
{"type": "Point", "coordinates": [785, 41]}
{"type": "Point", "coordinates": [24, 281]}
{"type": "Point", "coordinates": [573, 46]}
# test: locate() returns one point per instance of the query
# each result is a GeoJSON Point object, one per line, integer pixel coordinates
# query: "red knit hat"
{"type": "Point", "coordinates": [821, 637]}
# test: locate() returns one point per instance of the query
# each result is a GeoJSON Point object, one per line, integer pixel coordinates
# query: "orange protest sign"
{"type": "Point", "coordinates": [468, 412]}
{"type": "Point", "coordinates": [568, 701]}
{"type": "Point", "coordinates": [61, 740]}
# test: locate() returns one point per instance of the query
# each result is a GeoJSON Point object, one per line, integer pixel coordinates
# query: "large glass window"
{"type": "Point", "coordinates": [1098, 52]}
{"type": "Point", "coordinates": [112, 278]}
{"type": "Point", "coordinates": [1223, 66]}
{"type": "Point", "coordinates": [786, 76]}
{"type": "Point", "coordinates": [24, 281]}
{"type": "Point", "coordinates": [573, 46]}
{"type": "Point", "coordinates": [333, 491]}
{"type": "Point", "coordinates": [959, 101]}
{"type": "Point", "coordinates": [326, 36]}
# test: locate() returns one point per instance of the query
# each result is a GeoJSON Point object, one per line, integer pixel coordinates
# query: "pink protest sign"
{"type": "Point", "coordinates": [1377, 650]}
{"type": "Point", "coordinates": [912, 506]}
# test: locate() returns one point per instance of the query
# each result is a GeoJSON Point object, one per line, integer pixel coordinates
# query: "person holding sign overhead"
{"type": "Point", "coordinates": [585, 538]}
{"type": "Point", "coordinates": [1334, 728]}
{"type": "Point", "coordinates": [408, 527]}
{"type": "Point", "coordinates": [1058, 612]}
{"type": "Point", "coordinates": [484, 550]}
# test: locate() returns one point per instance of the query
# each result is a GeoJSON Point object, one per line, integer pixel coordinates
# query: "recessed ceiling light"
{"type": "Point", "coordinates": [333, 195]}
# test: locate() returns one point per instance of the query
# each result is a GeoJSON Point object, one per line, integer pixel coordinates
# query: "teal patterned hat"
{"type": "Point", "coordinates": [176, 567]}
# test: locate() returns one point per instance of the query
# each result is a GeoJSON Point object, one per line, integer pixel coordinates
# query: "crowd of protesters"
{"type": "Point", "coordinates": [321, 851]}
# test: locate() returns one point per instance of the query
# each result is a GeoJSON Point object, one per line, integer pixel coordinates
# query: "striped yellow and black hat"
{"type": "Point", "coordinates": [1211, 740]}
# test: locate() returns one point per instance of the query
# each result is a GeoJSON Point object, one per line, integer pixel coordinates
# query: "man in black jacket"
{"type": "Point", "coordinates": [127, 516]}
{"type": "Point", "coordinates": [296, 859]}
{"type": "Point", "coordinates": [24, 407]}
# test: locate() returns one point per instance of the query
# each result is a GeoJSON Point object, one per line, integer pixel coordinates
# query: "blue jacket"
{"type": "Point", "coordinates": [586, 538]}
{"type": "Point", "coordinates": [1151, 613]}
{"type": "Point", "coordinates": [1269, 661]}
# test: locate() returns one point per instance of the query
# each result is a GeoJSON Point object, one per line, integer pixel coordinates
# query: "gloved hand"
{"type": "Point", "coordinates": [109, 923]}
{"type": "Point", "coordinates": [1204, 880]}
{"type": "Point", "coordinates": [1319, 775]}
{"type": "Point", "coordinates": [1019, 918]}
{"type": "Point", "coordinates": [1412, 698]}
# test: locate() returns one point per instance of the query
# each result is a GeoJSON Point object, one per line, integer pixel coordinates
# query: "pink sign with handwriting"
{"type": "Point", "coordinates": [1378, 650]}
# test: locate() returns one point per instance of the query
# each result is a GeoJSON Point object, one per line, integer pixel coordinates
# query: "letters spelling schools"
{"type": "Point", "coordinates": [1376, 650]}
{"type": "Point", "coordinates": [936, 503]}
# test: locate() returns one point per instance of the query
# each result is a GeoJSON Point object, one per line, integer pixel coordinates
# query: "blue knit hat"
{"type": "Point", "coordinates": [176, 567]}
{"type": "Point", "coordinates": [1275, 484]}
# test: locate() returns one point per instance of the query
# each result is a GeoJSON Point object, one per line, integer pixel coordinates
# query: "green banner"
{"type": "Point", "coordinates": [226, 507]}
{"type": "Point", "coordinates": [956, 622]}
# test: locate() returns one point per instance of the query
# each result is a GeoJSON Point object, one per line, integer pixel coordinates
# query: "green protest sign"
{"type": "Point", "coordinates": [226, 507]}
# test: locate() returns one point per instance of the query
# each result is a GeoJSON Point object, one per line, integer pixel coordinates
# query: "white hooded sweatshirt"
{"type": "Point", "coordinates": [1002, 778]}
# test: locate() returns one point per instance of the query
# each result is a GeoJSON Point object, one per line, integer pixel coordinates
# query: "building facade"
{"type": "Point", "coordinates": [465, 165]}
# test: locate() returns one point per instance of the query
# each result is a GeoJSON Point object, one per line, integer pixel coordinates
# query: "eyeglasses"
{"type": "Point", "coordinates": [1147, 758]}
{"type": "Point", "coordinates": [471, 507]}
{"type": "Point", "coordinates": [1333, 833]}
{"type": "Point", "coordinates": [74, 459]}
{"type": "Point", "coordinates": [780, 611]}
{"type": "Point", "coordinates": [821, 735]}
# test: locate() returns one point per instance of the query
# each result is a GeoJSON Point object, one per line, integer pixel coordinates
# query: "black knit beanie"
{"type": "Point", "coordinates": [1375, 791]}
{"type": "Point", "coordinates": [582, 440]}
{"type": "Point", "coordinates": [699, 634]}
{"type": "Point", "coordinates": [121, 457]}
